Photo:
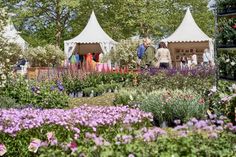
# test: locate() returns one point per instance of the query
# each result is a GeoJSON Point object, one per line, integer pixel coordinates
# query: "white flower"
{"type": "Point", "coordinates": [232, 63]}
{"type": "Point", "coordinates": [213, 89]}
{"type": "Point", "coordinates": [3, 77]}
{"type": "Point", "coordinates": [227, 60]}
{"type": "Point", "coordinates": [7, 60]}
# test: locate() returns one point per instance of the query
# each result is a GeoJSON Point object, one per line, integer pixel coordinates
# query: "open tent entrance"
{"type": "Point", "coordinates": [87, 48]}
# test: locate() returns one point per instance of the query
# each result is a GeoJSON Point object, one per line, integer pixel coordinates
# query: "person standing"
{"type": "Point", "coordinates": [183, 61]}
{"type": "Point", "coordinates": [194, 59]}
{"type": "Point", "coordinates": [148, 59]}
{"type": "Point", "coordinates": [207, 59]}
{"type": "Point", "coordinates": [141, 50]}
{"type": "Point", "coordinates": [163, 57]}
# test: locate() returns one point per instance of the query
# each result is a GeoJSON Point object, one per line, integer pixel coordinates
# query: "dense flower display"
{"type": "Point", "coordinates": [15, 120]}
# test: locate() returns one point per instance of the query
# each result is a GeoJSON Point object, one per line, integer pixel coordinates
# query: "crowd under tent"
{"type": "Point", "coordinates": [92, 39]}
{"type": "Point", "coordinates": [12, 35]}
{"type": "Point", "coordinates": [187, 39]}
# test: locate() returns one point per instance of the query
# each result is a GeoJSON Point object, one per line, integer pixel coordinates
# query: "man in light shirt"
{"type": "Point", "coordinates": [207, 58]}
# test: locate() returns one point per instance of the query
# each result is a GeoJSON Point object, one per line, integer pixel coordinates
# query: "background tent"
{"type": "Point", "coordinates": [188, 38]}
{"type": "Point", "coordinates": [12, 35]}
{"type": "Point", "coordinates": [91, 40]}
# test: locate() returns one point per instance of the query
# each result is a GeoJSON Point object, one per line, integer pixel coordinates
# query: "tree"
{"type": "Point", "coordinates": [45, 20]}
{"type": "Point", "coordinates": [42, 22]}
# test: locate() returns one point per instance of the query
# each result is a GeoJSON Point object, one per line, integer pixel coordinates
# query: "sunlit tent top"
{"type": "Point", "coordinates": [11, 34]}
{"type": "Point", "coordinates": [91, 34]}
{"type": "Point", "coordinates": [188, 31]}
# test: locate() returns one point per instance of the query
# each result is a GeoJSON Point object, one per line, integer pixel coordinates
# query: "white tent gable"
{"type": "Point", "coordinates": [92, 33]}
{"type": "Point", "coordinates": [91, 36]}
{"type": "Point", "coordinates": [188, 31]}
{"type": "Point", "coordinates": [11, 34]}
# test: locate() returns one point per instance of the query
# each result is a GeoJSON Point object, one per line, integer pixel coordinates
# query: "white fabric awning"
{"type": "Point", "coordinates": [188, 31]}
{"type": "Point", "coordinates": [91, 34]}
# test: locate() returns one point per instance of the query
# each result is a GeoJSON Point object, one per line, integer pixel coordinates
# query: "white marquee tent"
{"type": "Point", "coordinates": [91, 40]}
{"type": "Point", "coordinates": [12, 35]}
{"type": "Point", "coordinates": [188, 37]}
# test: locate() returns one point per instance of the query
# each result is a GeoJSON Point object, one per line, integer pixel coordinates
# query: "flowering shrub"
{"type": "Point", "coordinates": [227, 64]}
{"type": "Point", "coordinates": [49, 55]}
{"type": "Point", "coordinates": [167, 105]}
{"type": "Point", "coordinates": [43, 95]}
{"type": "Point", "coordinates": [223, 100]}
{"type": "Point", "coordinates": [9, 51]}
{"type": "Point", "coordinates": [124, 54]}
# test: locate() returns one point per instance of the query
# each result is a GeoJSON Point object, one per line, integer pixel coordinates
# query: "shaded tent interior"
{"type": "Point", "coordinates": [87, 48]}
{"type": "Point", "coordinates": [187, 39]}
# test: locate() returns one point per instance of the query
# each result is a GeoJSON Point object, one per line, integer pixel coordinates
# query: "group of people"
{"type": "Point", "coordinates": [87, 61]}
{"type": "Point", "coordinates": [191, 62]}
{"type": "Point", "coordinates": [148, 57]}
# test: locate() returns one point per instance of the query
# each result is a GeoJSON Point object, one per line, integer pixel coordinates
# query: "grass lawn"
{"type": "Point", "coordinates": [103, 100]}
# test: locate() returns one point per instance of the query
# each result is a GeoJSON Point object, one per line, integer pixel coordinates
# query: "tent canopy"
{"type": "Point", "coordinates": [12, 35]}
{"type": "Point", "coordinates": [188, 31]}
{"type": "Point", "coordinates": [92, 35]}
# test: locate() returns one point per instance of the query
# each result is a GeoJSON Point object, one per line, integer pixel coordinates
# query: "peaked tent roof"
{"type": "Point", "coordinates": [188, 31]}
{"type": "Point", "coordinates": [92, 33]}
{"type": "Point", "coordinates": [12, 35]}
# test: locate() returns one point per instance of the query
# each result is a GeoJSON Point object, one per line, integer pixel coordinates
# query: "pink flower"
{"type": "Point", "coordinates": [73, 146]}
{"type": "Point", "coordinates": [34, 145]}
{"type": "Point", "coordinates": [51, 138]}
{"type": "Point", "coordinates": [3, 149]}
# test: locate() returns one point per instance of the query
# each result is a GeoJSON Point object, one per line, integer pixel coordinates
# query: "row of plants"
{"type": "Point", "coordinates": [198, 80]}
{"type": "Point", "coordinates": [100, 89]}
{"type": "Point", "coordinates": [110, 131]}
{"type": "Point", "coordinates": [85, 82]}
{"type": "Point", "coordinates": [165, 105]}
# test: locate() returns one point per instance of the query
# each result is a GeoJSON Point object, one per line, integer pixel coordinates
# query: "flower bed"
{"type": "Point", "coordinates": [108, 131]}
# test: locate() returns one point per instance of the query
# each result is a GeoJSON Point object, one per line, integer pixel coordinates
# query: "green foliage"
{"type": "Point", "coordinates": [167, 105]}
{"type": "Point", "coordinates": [9, 51]}
{"type": "Point", "coordinates": [55, 21]}
{"type": "Point", "coordinates": [129, 96]}
{"type": "Point", "coordinates": [77, 84]}
{"type": "Point", "coordinates": [125, 54]}
{"type": "Point", "coordinates": [194, 145]}
{"type": "Point", "coordinates": [45, 56]}
{"type": "Point", "coordinates": [18, 145]}
{"type": "Point", "coordinates": [7, 102]}
{"type": "Point", "coordinates": [44, 95]}
{"type": "Point", "coordinates": [177, 81]}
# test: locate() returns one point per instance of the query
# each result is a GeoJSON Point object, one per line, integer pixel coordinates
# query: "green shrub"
{"type": "Point", "coordinates": [167, 105]}
{"type": "Point", "coordinates": [43, 95]}
{"type": "Point", "coordinates": [7, 102]}
{"type": "Point", "coordinates": [49, 55]}
{"type": "Point", "coordinates": [129, 96]}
